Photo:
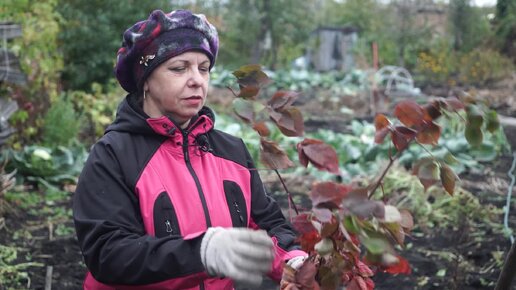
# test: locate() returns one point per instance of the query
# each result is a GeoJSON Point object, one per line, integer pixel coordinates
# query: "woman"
{"type": "Point", "coordinates": [165, 201]}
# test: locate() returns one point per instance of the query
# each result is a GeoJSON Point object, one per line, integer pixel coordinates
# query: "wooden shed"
{"type": "Point", "coordinates": [331, 48]}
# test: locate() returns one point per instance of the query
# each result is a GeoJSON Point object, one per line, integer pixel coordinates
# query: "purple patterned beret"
{"type": "Point", "coordinates": [150, 42]}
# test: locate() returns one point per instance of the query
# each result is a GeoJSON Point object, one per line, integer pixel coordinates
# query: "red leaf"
{"type": "Point", "coordinates": [289, 121]}
{"type": "Point", "coordinates": [402, 267]}
{"type": "Point", "coordinates": [399, 140]}
{"type": "Point", "coordinates": [308, 241]}
{"type": "Point", "coordinates": [262, 129]}
{"type": "Point", "coordinates": [370, 283]}
{"type": "Point", "coordinates": [251, 76]}
{"type": "Point", "coordinates": [359, 283]}
{"type": "Point", "coordinates": [244, 109]}
{"type": "Point", "coordinates": [320, 154]}
{"type": "Point", "coordinates": [409, 113]}
{"type": "Point", "coordinates": [429, 134]}
{"type": "Point", "coordinates": [248, 93]}
{"type": "Point", "coordinates": [358, 203]}
{"type": "Point", "coordinates": [273, 157]}
{"type": "Point", "coordinates": [381, 122]}
{"type": "Point", "coordinates": [407, 132]}
{"type": "Point", "coordinates": [305, 275]}
{"type": "Point", "coordinates": [324, 192]}
{"type": "Point", "coordinates": [323, 214]}
{"type": "Point", "coordinates": [282, 100]}
{"type": "Point", "coordinates": [379, 136]}
{"type": "Point", "coordinates": [364, 270]}
{"type": "Point", "coordinates": [432, 111]}
{"type": "Point", "coordinates": [302, 223]}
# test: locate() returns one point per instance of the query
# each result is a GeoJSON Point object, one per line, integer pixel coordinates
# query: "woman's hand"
{"type": "Point", "coordinates": [241, 254]}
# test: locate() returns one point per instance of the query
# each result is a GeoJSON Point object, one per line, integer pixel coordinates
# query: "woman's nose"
{"type": "Point", "coordinates": [196, 78]}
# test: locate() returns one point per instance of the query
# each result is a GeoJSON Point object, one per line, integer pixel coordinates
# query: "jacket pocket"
{"type": "Point", "coordinates": [236, 203]}
{"type": "Point", "coordinates": [165, 219]}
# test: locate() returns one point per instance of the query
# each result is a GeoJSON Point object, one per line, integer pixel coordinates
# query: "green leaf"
{"type": "Point", "coordinates": [251, 76]}
{"type": "Point", "coordinates": [473, 135]}
{"type": "Point", "coordinates": [376, 245]}
{"type": "Point", "coordinates": [492, 122]}
{"type": "Point", "coordinates": [474, 116]}
{"type": "Point", "coordinates": [448, 178]}
{"type": "Point", "coordinates": [350, 224]}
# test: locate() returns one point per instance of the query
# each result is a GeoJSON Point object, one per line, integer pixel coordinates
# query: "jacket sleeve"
{"type": "Point", "coordinates": [111, 234]}
{"type": "Point", "coordinates": [267, 215]}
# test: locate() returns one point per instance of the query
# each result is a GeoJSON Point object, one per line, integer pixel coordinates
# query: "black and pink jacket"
{"type": "Point", "coordinates": [149, 191]}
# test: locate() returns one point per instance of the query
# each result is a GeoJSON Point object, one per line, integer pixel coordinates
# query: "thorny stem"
{"type": "Point", "coordinates": [290, 200]}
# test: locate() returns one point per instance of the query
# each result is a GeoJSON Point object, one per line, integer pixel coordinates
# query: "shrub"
{"type": "Point", "coordinates": [62, 123]}
{"type": "Point", "coordinates": [482, 66]}
{"type": "Point", "coordinates": [436, 65]}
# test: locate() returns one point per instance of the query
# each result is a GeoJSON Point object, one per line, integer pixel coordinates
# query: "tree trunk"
{"type": "Point", "coordinates": [508, 271]}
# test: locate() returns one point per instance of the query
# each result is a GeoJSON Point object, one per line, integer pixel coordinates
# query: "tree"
{"type": "Point", "coordinates": [92, 33]}
{"type": "Point", "coordinates": [270, 32]}
{"type": "Point", "coordinates": [505, 22]}
{"type": "Point", "coordinates": [468, 25]}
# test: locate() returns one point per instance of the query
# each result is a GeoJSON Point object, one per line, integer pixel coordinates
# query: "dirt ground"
{"type": "Point", "coordinates": [468, 260]}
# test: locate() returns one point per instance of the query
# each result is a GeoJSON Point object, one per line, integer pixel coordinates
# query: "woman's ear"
{"type": "Point", "coordinates": [145, 86]}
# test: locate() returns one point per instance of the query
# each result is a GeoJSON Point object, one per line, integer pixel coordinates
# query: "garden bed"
{"type": "Point", "coordinates": [451, 257]}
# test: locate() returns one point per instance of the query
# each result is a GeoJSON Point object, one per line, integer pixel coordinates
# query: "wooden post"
{"type": "Point", "coordinates": [48, 278]}
{"type": "Point", "coordinates": [375, 96]}
{"type": "Point", "coordinates": [375, 56]}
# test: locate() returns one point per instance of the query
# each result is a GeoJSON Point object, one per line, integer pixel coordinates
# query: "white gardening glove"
{"type": "Point", "coordinates": [241, 254]}
{"type": "Point", "coordinates": [296, 262]}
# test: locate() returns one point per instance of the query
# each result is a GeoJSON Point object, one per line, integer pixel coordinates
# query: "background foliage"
{"type": "Point", "coordinates": [91, 35]}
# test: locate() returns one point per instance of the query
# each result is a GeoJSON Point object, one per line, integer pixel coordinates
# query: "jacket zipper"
{"type": "Point", "coordinates": [194, 175]}
{"type": "Point", "coordinates": [197, 183]}
{"type": "Point", "coordinates": [238, 212]}
{"type": "Point", "coordinates": [169, 227]}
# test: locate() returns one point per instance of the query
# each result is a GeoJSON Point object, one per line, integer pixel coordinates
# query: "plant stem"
{"type": "Point", "coordinates": [391, 161]}
{"type": "Point", "coordinates": [290, 200]}
{"type": "Point", "coordinates": [427, 151]}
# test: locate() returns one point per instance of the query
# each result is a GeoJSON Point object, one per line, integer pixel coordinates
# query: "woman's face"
{"type": "Point", "coordinates": [178, 87]}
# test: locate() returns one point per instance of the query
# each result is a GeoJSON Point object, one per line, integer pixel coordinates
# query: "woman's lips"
{"type": "Point", "coordinates": [193, 100]}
